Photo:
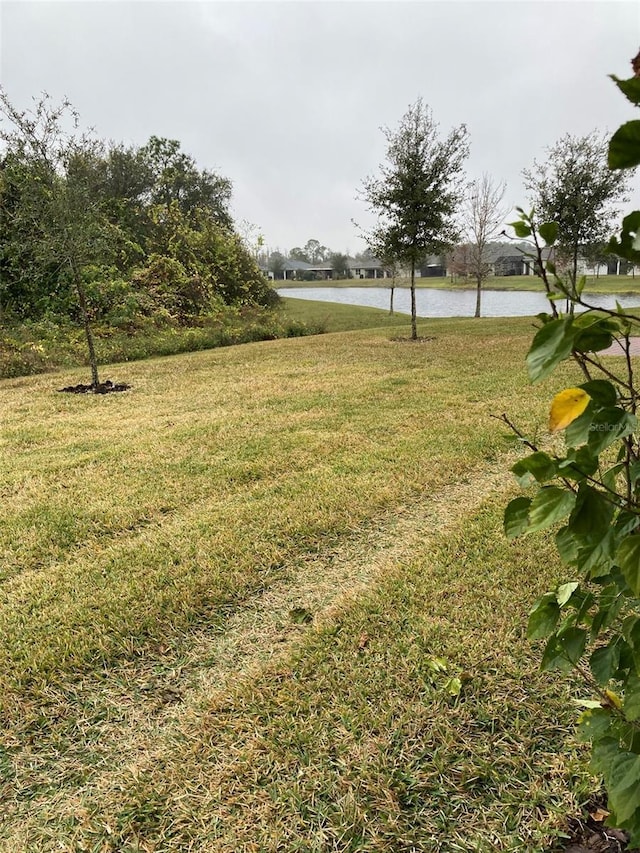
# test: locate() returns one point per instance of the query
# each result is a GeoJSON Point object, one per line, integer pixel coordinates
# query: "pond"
{"type": "Point", "coordinates": [448, 303]}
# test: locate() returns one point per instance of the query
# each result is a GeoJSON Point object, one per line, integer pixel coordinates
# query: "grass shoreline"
{"type": "Point", "coordinates": [44, 347]}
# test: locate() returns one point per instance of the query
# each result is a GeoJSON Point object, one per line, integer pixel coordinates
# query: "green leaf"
{"type": "Point", "coordinates": [629, 88]}
{"type": "Point", "coordinates": [595, 559]}
{"type": "Point", "coordinates": [604, 663]}
{"type": "Point", "coordinates": [564, 649]}
{"type": "Point", "coordinates": [516, 517]}
{"type": "Point", "coordinates": [604, 752]}
{"type": "Point", "coordinates": [551, 345]}
{"type": "Point", "coordinates": [543, 618]}
{"type": "Point", "coordinates": [566, 545]}
{"type": "Point", "coordinates": [609, 425]}
{"type": "Point", "coordinates": [602, 392]}
{"type": "Point", "coordinates": [594, 724]}
{"type": "Point", "coordinates": [550, 505]}
{"type": "Point", "coordinates": [578, 431]}
{"type": "Point", "coordinates": [549, 232]}
{"type": "Point", "coordinates": [592, 515]}
{"type": "Point", "coordinates": [594, 333]}
{"type": "Point", "coordinates": [579, 463]}
{"type": "Point", "coordinates": [610, 477]}
{"type": "Point", "coordinates": [627, 246]}
{"type": "Point", "coordinates": [586, 703]}
{"type": "Point", "coordinates": [522, 230]}
{"type": "Point", "coordinates": [631, 705]}
{"type": "Point", "coordinates": [628, 558]}
{"type": "Point", "coordinates": [610, 603]}
{"type": "Point", "coordinates": [634, 473]}
{"type": "Point", "coordinates": [624, 146]}
{"type": "Point", "coordinates": [583, 602]}
{"type": "Point", "coordinates": [565, 591]}
{"type": "Point", "coordinates": [538, 466]}
{"type": "Point", "coordinates": [623, 786]}
{"type": "Point", "coordinates": [626, 522]}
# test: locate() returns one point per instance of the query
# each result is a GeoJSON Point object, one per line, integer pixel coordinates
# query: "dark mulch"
{"type": "Point", "coordinates": [406, 340]}
{"type": "Point", "coordinates": [107, 387]}
{"type": "Point", "coordinates": [589, 835]}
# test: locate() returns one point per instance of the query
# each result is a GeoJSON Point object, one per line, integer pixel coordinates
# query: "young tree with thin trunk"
{"type": "Point", "coordinates": [56, 213]}
{"type": "Point", "coordinates": [418, 191]}
{"type": "Point", "coordinates": [391, 268]}
{"type": "Point", "coordinates": [576, 188]}
{"type": "Point", "coordinates": [383, 250]}
{"type": "Point", "coordinates": [484, 213]}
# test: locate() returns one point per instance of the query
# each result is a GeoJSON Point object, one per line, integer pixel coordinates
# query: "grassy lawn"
{"type": "Point", "coordinates": [601, 284]}
{"type": "Point", "coordinates": [334, 317]}
{"type": "Point", "coordinates": [233, 598]}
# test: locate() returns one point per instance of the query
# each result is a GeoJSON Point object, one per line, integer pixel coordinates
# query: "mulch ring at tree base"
{"type": "Point", "coordinates": [590, 835]}
{"type": "Point", "coordinates": [107, 387]}
{"type": "Point", "coordinates": [406, 340]}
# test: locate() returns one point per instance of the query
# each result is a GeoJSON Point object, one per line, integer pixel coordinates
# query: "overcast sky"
{"type": "Point", "coordinates": [287, 98]}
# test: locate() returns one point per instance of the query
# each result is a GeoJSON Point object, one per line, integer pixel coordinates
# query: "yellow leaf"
{"type": "Point", "coordinates": [566, 407]}
{"type": "Point", "coordinates": [613, 700]}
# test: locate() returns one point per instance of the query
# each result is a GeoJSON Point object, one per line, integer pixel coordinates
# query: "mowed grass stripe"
{"type": "Point", "coordinates": [133, 712]}
{"type": "Point", "coordinates": [354, 743]}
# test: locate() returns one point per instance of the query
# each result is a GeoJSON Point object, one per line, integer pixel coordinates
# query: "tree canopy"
{"type": "Point", "coordinates": [575, 187]}
{"type": "Point", "coordinates": [143, 230]}
{"type": "Point", "coordinates": [417, 192]}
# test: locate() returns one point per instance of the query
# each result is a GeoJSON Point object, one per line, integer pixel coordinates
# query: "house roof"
{"type": "Point", "coordinates": [364, 264]}
{"type": "Point", "coordinates": [289, 264]}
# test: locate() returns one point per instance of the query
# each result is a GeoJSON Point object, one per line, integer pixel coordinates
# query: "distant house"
{"type": "Point", "coordinates": [366, 268]}
{"type": "Point", "coordinates": [433, 267]}
{"type": "Point", "coordinates": [300, 271]}
{"type": "Point", "coordinates": [506, 259]}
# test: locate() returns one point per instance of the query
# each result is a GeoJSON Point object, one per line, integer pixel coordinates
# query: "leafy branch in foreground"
{"type": "Point", "coordinates": [591, 623]}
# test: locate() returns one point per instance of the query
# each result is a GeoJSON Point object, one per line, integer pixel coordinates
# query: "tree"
{"type": "Point", "coordinates": [177, 178]}
{"type": "Point", "coordinates": [366, 255]}
{"type": "Point", "coordinates": [276, 263]}
{"type": "Point", "coordinates": [298, 254]}
{"type": "Point", "coordinates": [384, 250]}
{"type": "Point", "coordinates": [576, 188]}
{"type": "Point", "coordinates": [54, 212]}
{"type": "Point", "coordinates": [458, 261]}
{"type": "Point", "coordinates": [418, 191]}
{"type": "Point", "coordinates": [484, 213]}
{"type": "Point", "coordinates": [339, 264]}
{"type": "Point", "coordinates": [315, 252]}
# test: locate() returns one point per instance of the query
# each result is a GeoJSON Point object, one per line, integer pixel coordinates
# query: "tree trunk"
{"type": "Point", "coordinates": [574, 279]}
{"type": "Point", "coordinates": [82, 301]}
{"type": "Point", "coordinates": [414, 327]}
{"type": "Point", "coordinates": [393, 287]}
{"type": "Point", "coordinates": [478, 295]}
